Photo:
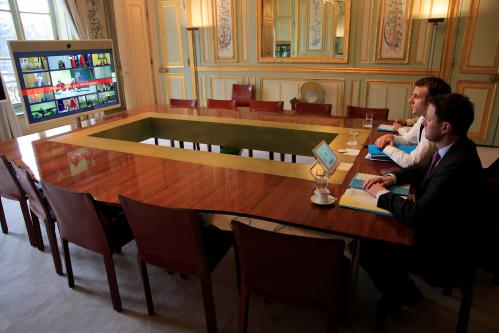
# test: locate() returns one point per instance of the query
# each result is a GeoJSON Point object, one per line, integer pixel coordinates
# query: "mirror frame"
{"type": "Point", "coordinates": [311, 59]}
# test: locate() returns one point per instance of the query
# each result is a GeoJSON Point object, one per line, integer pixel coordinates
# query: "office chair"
{"type": "Point", "coordinates": [288, 269]}
{"type": "Point", "coordinates": [176, 240]}
{"type": "Point", "coordinates": [359, 112]}
{"type": "Point", "coordinates": [11, 189]}
{"type": "Point", "coordinates": [91, 225]}
{"type": "Point", "coordinates": [40, 210]}
{"type": "Point", "coordinates": [243, 94]}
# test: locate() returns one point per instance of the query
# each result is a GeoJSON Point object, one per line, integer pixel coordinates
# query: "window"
{"type": "Point", "coordinates": [29, 20]}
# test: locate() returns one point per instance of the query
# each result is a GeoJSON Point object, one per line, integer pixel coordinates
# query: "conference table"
{"type": "Point", "coordinates": [105, 157]}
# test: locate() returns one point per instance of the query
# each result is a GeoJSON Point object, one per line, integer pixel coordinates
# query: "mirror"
{"type": "Point", "coordinates": [303, 30]}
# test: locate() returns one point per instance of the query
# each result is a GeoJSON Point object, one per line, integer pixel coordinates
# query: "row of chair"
{"type": "Point", "coordinates": [178, 241]}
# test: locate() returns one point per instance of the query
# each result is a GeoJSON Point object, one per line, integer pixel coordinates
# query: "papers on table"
{"type": "Point", "coordinates": [349, 151]}
{"type": "Point", "coordinates": [361, 200]}
{"type": "Point", "coordinates": [357, 198]}
{"type": "Point", "coordinates": [387, 128]}
{"type": "Point", "coordinates": [374, 153]}
{"type": "Point", "coordinates": [359, 179]}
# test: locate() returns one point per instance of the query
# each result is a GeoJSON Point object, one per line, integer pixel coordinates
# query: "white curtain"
{"type": "Point", "coordinates": [9, 126]}
{"type": "Point", "coordinates": [77, 11]}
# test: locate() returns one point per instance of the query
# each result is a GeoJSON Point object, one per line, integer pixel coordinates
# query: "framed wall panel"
{"type": "Point", "coordinates": [482, 94]}
{"type": "Point", "coordinates": [221, 86]}
{"type": "Point", "coordinates": [389, 94]}
{"type": "Point", "coordinates": [175, 85]}
{"type": "Point", "coordinates": [481, 43]}
{"type": "Point", "coordinates": [172, 48]}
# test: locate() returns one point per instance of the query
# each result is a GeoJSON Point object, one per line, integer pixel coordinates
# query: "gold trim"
{"type": "Point", "coordinates": [446, 58]}
{"type": "Point", "coordinates": [233, 33]}
{"type": "Point", "coordinates": [322, 69]}
{"type": "Point", "coordinates": [192, 62]}
{"type": "Point", "coordinates": [295, 170]}
{"type": "Point", "coordinates": [325, 60]}
{"type": "Point", "coordinates": [211, 77]}
{"type": "Point", "coordinates": [352, 83]}
{"type": "Point", "coordinates": [407, 40]}
{"type": "Point", "coordinates": [387, 82]}
{"type": "Point", "coordinates": [170, 76]}
{"type": "Point", "coordinates": [469, 34]}
{"type": "Point", "coordinates": [369, 31]}
{"type": "Point", "coordinates": [164, 51]}
{"type": "Point", "coordinates": [461, 86]}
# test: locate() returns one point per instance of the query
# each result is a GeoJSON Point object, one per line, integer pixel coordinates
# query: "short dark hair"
{"type": "Point", "coordinates": [455, 109]}
{"type": "Point", "coordinates": [436, 86]}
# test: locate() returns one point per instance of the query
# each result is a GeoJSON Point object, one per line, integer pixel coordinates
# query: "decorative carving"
{"type": "Point", "coordinates": [225, 31]}
{"type": "Point", "coordinates": [97, 22]}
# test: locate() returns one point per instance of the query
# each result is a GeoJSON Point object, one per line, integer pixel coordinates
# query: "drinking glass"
{"type": "Point", "coordinates": [368, 122]}
{"type": "Point", "coordinates": [353, 137]}
{"type": "Point", "coordinates": [321, 190]}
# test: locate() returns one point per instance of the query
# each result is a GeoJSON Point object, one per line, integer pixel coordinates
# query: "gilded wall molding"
{"type": "Point", "coordinates": [365, 46]}
{"type": "Point", "coordinates": [325, 69]}
{"type": "Point", "coordinates": [168, 77]}
{"type": "Point", "coordinates": [490, 87]}
{"type": "Point", "coordinates": [164, 50]}
{"type": "Point", "coordinates": [469, 34]}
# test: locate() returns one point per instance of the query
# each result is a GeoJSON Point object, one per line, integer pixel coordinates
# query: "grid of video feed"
{"type": "Point", "coordinates": [59, 84]}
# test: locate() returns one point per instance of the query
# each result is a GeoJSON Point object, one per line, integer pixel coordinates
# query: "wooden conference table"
{"type": "Point", "coordinates": [106, 159]}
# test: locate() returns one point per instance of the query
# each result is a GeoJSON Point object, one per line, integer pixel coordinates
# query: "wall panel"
{"type": "Point", "coordinates": [389, 94]}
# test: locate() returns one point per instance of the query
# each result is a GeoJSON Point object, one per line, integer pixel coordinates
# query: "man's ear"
{"type": "Point", "coordinates": [446, 127]}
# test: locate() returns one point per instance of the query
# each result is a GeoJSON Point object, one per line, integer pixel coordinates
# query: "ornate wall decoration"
{"type": "Point", "coordinates": [97, 20]}
{"type": "Point", "coordinates": [316, 24]}
{"type": "Point", "coordinates": [224, 30]}
{"type": "Point", "coordinates": [394, 25]}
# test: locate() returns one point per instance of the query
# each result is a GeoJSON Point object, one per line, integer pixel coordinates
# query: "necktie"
{"type": "Point", "coordinates": [434, 161]}
{"type": "Point", "coordinates": [420, 132]}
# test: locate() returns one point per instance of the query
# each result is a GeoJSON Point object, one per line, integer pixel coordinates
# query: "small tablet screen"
{"type": "Point", "coordinates": [326, 156]}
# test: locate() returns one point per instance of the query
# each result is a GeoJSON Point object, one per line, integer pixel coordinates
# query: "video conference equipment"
{"type": "Point", "coordinates": [60, 79]}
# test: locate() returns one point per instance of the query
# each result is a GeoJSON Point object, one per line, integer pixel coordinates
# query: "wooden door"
{"type": "Point", "coordinates": [135, 52]}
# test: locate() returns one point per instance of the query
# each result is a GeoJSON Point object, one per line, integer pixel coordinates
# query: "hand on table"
{"type": "Point", "coordinates": [377, 184]}
{"type": "Point", "coordinates": [384, 141]}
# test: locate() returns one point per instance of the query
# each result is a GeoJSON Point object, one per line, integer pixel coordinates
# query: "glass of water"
{"type": "Point", "coordinates": [368, 122]}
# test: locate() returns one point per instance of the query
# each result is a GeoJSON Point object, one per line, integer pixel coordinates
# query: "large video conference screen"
{"type": "Point", "coordinates": [65, 78]}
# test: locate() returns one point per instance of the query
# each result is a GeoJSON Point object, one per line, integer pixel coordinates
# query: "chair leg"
{"type": "Point", "coordinates": [271, 155]}
{"type": "Point", "coordinates": [3, 221]}
{"type": "Point", "coordinates": [209, 304]}
{"type": "Point", "coordinates": [243, 311]}
{"type": "Point", "coordinates": [113, 283]}
{"type": "Point", "coordinates": [29, 224]}
{"type": "Point", "coordinates": [250, 152]}
{"type": "Point", "coordinates": [465, 309]}
{"type": "Point", "coordinates": [209, 148]}
{"type": "Point", "coordinates": [67, 261]}
{"type": "Point", "coordinates": [37, 231]}
{"type": "Point", "coordinates": [181, 144]}
{"type": "Point", "coordinates": [54, 248]}
{"type": "Point", "coordinates": [147, 287]}
{"type": "Point", "coordinates": [282, 157]}
{"type": "Point", "coordinates": [293, 158]}
{"type": "Point", "coordinates": [172, 143]}
{"type": "Point", "coordinates": [156, 141]}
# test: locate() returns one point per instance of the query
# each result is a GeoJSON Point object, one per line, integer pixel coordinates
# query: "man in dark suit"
{"type": "Point", "coordinates": [444, 214]}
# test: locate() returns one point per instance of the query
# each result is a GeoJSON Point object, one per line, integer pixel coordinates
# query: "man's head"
{"type": "Point", "coordinates": [449, 117]}
{"type": "Point", "coordinates": [424, 88]}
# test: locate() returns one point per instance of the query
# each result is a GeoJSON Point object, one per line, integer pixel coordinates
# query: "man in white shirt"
{"type": "Point", "coordinates": [424, 88]}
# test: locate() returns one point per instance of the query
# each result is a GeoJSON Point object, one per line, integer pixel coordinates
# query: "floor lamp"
{"type": "Point", "coordinates": [433, 41]}
{"type": "Point", "coordinates": [193, 63]}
